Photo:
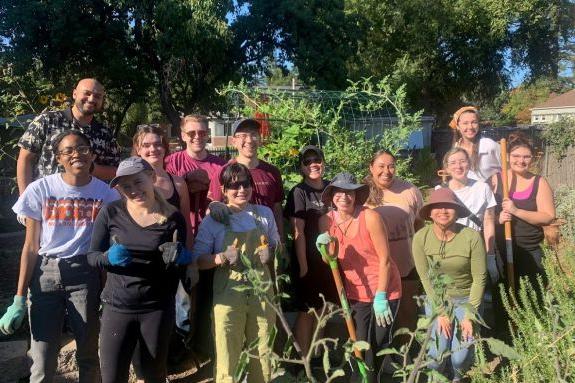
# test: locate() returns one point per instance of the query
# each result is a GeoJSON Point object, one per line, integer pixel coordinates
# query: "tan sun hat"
{"type": "Point", "coordinates": [443, 196]}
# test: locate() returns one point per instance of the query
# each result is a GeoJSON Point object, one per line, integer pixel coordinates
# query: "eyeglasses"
{"type": "Point", "coordinates": [147, 145]}
{"type": "Point", "coordinates": [311, 160]}
{"type": "Point", "coordinates": [196, 133]}
{"type": "Point", "coordinates": [520, 157]}
{"type": "Point", "coordinates": [255, 137]}
{"type": "Point", "coordinates": [82, 149]}
{"type": "Point", "coordinates": [236, 185]}
{"type": "Point", "coordinates": [460, 162]}
{"type": "Point", "coordinates": [148, 126]}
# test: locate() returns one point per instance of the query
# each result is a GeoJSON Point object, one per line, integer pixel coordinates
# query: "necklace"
{"type": "Point", "coordinates": [346, 228]}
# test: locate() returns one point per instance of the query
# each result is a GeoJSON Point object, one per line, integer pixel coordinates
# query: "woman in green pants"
{"type": "Point", "coordinates": [240, 317]}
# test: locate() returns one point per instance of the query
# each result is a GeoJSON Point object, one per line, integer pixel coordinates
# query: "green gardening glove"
{"type": "Point", "coordinates": [12, 320]}
{"type": "Point", "coordinates": [322, 243]}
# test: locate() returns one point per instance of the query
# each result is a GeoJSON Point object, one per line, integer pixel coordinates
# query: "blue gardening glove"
{"type": "Point", "coordinates": [175, 252]}
{"type": "Point", "coordinates": [12, 320]}
{"type": "Point", "coordinates": [118, 255]}
{"type": "Point", "coordinates": [220, 212]}
{"type": "Point", "coordinates": [381, 308]}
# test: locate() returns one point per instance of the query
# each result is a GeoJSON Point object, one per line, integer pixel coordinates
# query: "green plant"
{"type": "Point", "coordinates": [560, 136]}
{"type": "Point", "coordinates": [565, 209]}
{"type": "Point", "coordinates": [321, 118]}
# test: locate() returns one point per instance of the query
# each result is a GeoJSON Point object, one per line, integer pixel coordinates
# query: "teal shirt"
{"type": "Point", "coordinates": [463, 259]}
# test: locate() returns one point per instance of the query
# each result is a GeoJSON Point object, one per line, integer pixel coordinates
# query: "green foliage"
{"type": "Point", "coordinates": [565, 209]}
{"type": "Point", "coordinates": [297, 120]}
{"type": "Point", "coordinates": [560, 136]}
{"type": "Point", "coordinates": [543, 329]}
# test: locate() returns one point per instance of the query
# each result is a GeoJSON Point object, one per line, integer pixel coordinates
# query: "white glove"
{"type": "Point", "coordinates": [492, 268]}
{"type": "Point", "coordinates": [21, 219]}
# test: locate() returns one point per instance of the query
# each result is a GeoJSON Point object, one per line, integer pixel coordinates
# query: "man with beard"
{"type": "Point", "coordinates": [36, 158]}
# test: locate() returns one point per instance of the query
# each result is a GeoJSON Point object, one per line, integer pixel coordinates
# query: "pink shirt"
{"type": "Point", "coordinates": [268, 187]}
{"type": "Point", "coordinates": [399, 207]}
{"type": "Point", "coordinates": [360, 263]}
{"type": "Point", "coordinates": [180, 163]}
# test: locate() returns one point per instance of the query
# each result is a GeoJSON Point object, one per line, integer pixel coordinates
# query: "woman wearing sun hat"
{"type": "Point", "coordinates": [459, 253]}
{"type": "Point", "coordinates": [371, 278]}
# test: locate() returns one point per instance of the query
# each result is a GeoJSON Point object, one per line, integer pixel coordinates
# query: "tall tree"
{"type": "Point", "coordinates": [182, 49]}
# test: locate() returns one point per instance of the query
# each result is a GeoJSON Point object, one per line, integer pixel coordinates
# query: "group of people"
{"type": "Point", "coordinates": [165, 221]}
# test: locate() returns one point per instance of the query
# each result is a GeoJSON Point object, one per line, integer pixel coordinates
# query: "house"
{"type": "Point", "coordinates": [554, 109]}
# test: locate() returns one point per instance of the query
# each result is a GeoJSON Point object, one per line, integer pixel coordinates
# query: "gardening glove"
{"type": "Point", "coordinates": [381, 308]}
{"type": "Point", "coordinates": [231, 255]}
{"type": "Point", "coordinates": [492, 268]}
{"type": "Point", "coordinates": [220, 212]}
{"type": "Point", "coordinates": [175, 253]}
{"type": "Point", "coordinates": [12, 319]}
{"type": "Point", "coordinates": [191, 278]}
{"type": "Point", "coordinates": [118, 255]}
{"type": "Point", "coordinates": [21, 219]}
{"type": "Point", "coordinates": [263, 251]}
{"type": "Point", "coordinates": [322, 243]}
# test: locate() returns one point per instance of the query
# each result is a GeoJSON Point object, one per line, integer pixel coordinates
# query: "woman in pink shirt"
{"type": "Point", "coordinates": [372, 280]}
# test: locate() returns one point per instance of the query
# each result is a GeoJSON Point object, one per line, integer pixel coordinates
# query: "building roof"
{"type": "Point", "coordinates": [562, 101]}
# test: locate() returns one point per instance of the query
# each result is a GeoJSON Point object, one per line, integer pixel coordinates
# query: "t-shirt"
{"type": "Point", "coordinates": [489, 162]}
{"type": "Point", "coordinates": [145, 284]}
{"type": "Point", "coordinates": [40, 134]}
{"type": "Point", "coordinates": [268, 188]}
{"type": "Point", "coordinates": [180, 163]}
{"type": "Point", "coordinates": [67, 212]}
{"type": "Point", "coordinates": [462, 259]}
{"type": "Point", "coordinates": [399, 208]}
{"type": "Point", "coordinates": [210, 238]}
{"type": "Point", "coordinates": [477, 197]}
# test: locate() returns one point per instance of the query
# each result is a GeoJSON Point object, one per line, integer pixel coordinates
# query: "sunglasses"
{"type": "Point", "coordinates": [236, 185]}
{"type": "Point", "coordinates": [311, 160]}
{"type": "Point", "coordinates": [82, 149]}
{"type": "Point", "coordinates": [199, 133]}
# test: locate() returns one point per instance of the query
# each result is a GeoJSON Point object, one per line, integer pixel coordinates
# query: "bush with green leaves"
{"type": "Point", "coordinates": [565, 209]}
{"type": "Point", "coordinates": [320, 118]}
{"type": "Point", "coordinates": [560, 136]}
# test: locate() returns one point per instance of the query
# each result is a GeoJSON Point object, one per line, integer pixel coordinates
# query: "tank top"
{"type": "Point", "coordinates": [174, 199]}
{"type": "Point", "coordinates": [359, 263]}
{"type": "Point", "coordinates": [524, 234]}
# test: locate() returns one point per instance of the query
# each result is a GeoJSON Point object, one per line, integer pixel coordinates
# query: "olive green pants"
{"type": "Point", "coordinates": [239, 319]}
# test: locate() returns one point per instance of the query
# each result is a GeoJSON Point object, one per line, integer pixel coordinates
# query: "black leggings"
{"type": "Point", "coordinates": [378, 337]}
{"type": "Point", "coordinates": [119, 333]}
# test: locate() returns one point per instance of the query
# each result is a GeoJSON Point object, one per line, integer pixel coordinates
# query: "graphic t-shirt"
{"type": "Point", "coordinates": [180, 163]}
{"type": "Point", "coordinates": [67, 212]}
{"type": "Point", "coordinates": [399, 207]}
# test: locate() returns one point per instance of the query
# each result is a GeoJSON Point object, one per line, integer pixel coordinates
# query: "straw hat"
{"type": "Point", "coordinates": [443, 196]}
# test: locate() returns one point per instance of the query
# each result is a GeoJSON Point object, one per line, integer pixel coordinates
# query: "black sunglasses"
{"type": "Point", "coordinates": [236, 185]}
{"type": "Point", "coordinates": [311, 160]}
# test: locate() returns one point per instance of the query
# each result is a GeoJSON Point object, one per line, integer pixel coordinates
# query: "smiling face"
{"type": "Point", "coordinates": [151, 149]}
{"type": "Point", "coordinates": [468, 125]}
{"type": "Point", "coordinates": [443, 214]}
{"type": "Point", "coordinates": [312, 166]}
{"type": "Point", "coordinates": [457, 165]}
{"type": "Point", "coordinates": [344, 200]}
{"type": "Point", "coordinates": [138, 188]}
{"type": "Point", "coordinates": [520, 159]}
{"type": "Point", "coordinates": [75, 155]}
{"type": "Point", "coordinates": [238, 192]}
{"type": "Point", "coordinates": [382, 170]}
{"type": "Point", "coordinates": [247, 141]}
{"type": "Point", "coordinates": [88, 97]}
{"type": "Point", "coordinates": [196, 135]}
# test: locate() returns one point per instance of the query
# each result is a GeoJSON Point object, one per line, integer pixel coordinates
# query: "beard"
{"type": "Point", "coordinates": [87, 111]}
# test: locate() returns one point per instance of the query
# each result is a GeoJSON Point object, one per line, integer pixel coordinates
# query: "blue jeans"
{"type": "Point", "coordinates": [59, 286]}
{"type": "Point", "coordinates": [462, 354]}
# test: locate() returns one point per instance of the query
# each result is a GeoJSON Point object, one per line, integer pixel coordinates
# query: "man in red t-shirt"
{"type": "Point", "coordinates": [199, 168]}
{"type": "Point", "coordinates": [268, 188]}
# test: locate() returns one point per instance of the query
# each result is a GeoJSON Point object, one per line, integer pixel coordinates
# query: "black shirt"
{"type": "Point", "coordinates": [145, 284]}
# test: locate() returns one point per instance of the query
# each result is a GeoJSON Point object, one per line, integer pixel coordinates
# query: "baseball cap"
{"type": "Point", "coordinates": [130, 166]}
{"type": "Point", "coordinates": [245, 123]}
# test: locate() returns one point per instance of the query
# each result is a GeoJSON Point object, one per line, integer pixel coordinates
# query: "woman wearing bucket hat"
{"type": "Point", "coordinates": [371, 278]}
{"type": "Point", "coordinates": [139, 240]}
{"type": "Point", "coordinates": [485, 154]}
{"type": "Point", "coordinates": [303, 209]}
{"type": "Point", "coordinates": [457, 252]}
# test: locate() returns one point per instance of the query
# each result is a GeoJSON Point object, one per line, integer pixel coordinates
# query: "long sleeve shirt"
{"type": "Point", "coordinates": [462, 259]}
